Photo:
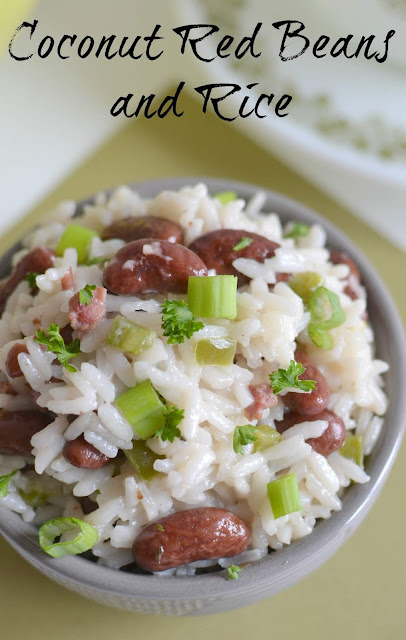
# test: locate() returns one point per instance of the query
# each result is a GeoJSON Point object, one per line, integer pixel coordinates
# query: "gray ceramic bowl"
{"type": "Point", "coordinates": [211, 593]}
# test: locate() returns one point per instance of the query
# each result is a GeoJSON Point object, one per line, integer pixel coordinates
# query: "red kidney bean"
{"type": "Point", "coordinates": [264, 398]}
{"type": "Point", "coordinates": [7, 389]}
{"type": "Point", "coordinates": [88, 505]}
{"type": "Point", "coordinates": [130, 229]}
{"type": "Point", "coordinates": [331, 440]}
{"type": "Point", "coordinates": [152, 266]}
{"type": "Point", "coordinates": [187, 536]}
{"type": "Point", "coordinates": [12, 365]}
{"type": "Point", "coordinates": [17, 429]}
{"type": "Point", "coordinates": [339, 257]}
{"type": "Point", "coordinates": [85, 317]}
{"type": "Point", "coordinates": [36, 261]}
{"type": "Point", "coordinates": [216, 249]}
{"type": "Point", "coordinates": [67, 335]}
{"type": "Point", "coordinates": [308, 404]}
{"type": "Point", "coordinates": [84, 455]}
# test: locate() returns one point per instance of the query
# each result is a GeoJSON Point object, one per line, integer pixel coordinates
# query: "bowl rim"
{"type": "Point", "coordinates": [279, 570]}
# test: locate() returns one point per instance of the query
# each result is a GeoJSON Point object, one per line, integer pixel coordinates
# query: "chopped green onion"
{"type": "Point", "coordinates": [143, 409]}
{"type": "Point", "coordinates": [76, 237]}
{"type": "Point", "coordinates": [284, 496]}
{"type": "Point", "coordinates": [142, 459]}
{"type": "Point", "coordinates": [325, 313]}
{"type": "Point", "coordinates": [52, 529]}
{"type": "Point", "coordinates": [243, 435]}
{"type": "Point", "coordinates": [353, 449]}
{"type": "Point", "coordinates": [129, 337]}
{"type": "Point", "coordinates": [266, 437]}
{"type": "Point", "coordinates": [233, 571]}
{"type": "Point", "coordinates": [160, 527]}
{"type": "Point", "coordinates": [218, 352]}
{"type": "Point", "coordinates": [226, 196]}
{"type": "Point", "coordinates": [213, 296]}
{"type": "Point", "coordinates": [297, 230]}
{"type": "Point", "coordinates": [4, 480]}
{"type": "Point", "coordinates": [244, 242]}
{"type": "Point", "coordinates": [305, 284]}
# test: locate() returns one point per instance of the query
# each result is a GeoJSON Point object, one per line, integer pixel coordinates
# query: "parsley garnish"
{"type": "Point", "coordinates": [325, 313]}
{"type": "Point", "coordinates": [287, 378]}
{"type": "Point", "coordinates": [55, 343]}
{"type": "Point", "coordinates": [242, 436]}
{"type": "Point", "coordinates": [244, 242]}
{"type": "Point", "coordinates": [233, 571]}
{"type": "Point", "coordinates": [86, 295]}
{"type": "Point", "coordinates": [178, 322]}
{"type": "Point", "coordinates": [298, 230]}
{"type": "Point", "coordinates": [32, 279]}
{"type": "Point", "coordinates": [159, 527]}
{"type": "Point", "coordinates": [169, 430]}
{"type": "Point", "coordinates": [4, 480]}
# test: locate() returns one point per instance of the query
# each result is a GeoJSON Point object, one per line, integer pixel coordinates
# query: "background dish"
{"type": "Point", "coordinates": [209, 593]}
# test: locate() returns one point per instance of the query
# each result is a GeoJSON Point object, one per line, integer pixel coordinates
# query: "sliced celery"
{"type": "Point", "coordinates": [213, 297]}
{"type": "Point", "coordinates": [76, 237]}
{"type": "Point", "coordinates": [219, 352]}
{"type": "Point", "coordinates": [305, 284]}
{"type": "Point", "coordinates": [353, 449]}
{"type": "Point", "coordinates": [284, 496]}
{"type": "Point", "coordinates": [266, 437]}
{"type": "Point", "coordinates": [143, 409]}
{"type": "Point", "coordinates": [129, 337]}
{"type": "Point", "coordinates": [142, 459]}
{"type": "Point", "coordinates": [226, 196]}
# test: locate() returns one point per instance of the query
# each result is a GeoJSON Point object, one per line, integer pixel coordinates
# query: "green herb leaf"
{"type": "Point", "coordinates": [178, 322]}
{"type": "Point", "coordinates": [86, 295]}
{"type": "Point", "coordinates": [325, 313]}
{"type": "Point", "coordinates": [31, 279]}
{"type": "Point", "coordinates": [298, 230]}
{"type": "Point", "coordinates": [4, 480]}
{"type": "Point", "coordinates": [244, 242]}
{"type": "Point", "coordinates": [286, 378]}
{"type": "Point", "coordinates": [233, 571]}
{"type": "Point", "coordinates": [169, 431]}
{"type": "Point", "coordinates": [159, 527]}
{"type": "Point", "coordinates": [242, 436]}
{"type": "Point", "coordinates": [54, 342]}
{"type": "Point", "coordinates": [97, 260]}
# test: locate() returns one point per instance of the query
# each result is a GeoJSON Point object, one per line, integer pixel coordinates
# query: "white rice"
{"type": "Point", "coordinates": [201, 468]}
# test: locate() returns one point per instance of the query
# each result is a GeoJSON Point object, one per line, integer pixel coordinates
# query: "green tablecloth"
{"type": "Point", "coordinates": [359, 593]}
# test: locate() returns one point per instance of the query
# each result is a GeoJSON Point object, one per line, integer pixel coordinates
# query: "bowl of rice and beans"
{"type": "Point", "coordinates": [198, 400]}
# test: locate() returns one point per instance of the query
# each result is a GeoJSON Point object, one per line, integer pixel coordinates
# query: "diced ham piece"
{"type": "Point", "coordinates": [67, 280]}
{"type": "Point", "coordinates": [83, 317]}
{"type": "Point", "coordinates": [264, 398]}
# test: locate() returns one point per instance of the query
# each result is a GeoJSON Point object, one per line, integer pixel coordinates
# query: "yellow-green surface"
{"type": "Point", "coordinates": [360, 593]}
